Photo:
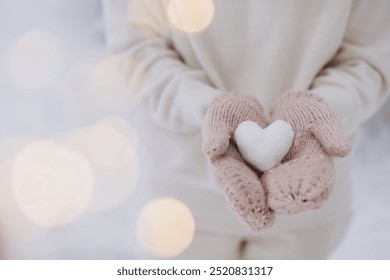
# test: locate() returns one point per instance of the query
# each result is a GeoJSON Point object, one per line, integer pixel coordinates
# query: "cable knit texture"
{"type": "Point", "coordinates": [242, 186]}
{"type": "Point", "coordinates": [306, 176]}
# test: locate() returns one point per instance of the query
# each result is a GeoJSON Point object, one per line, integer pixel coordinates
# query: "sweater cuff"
{"type": "Point", "coordinates": [203, 99]}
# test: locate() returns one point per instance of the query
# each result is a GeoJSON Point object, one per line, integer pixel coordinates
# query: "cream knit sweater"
{"type": "Point", "coordinates": [339, 49]}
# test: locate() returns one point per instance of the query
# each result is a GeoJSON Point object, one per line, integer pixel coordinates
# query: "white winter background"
{"type": "Point", "coordinates": [53, 74]}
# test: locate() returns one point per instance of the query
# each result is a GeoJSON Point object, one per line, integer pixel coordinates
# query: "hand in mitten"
{"type": "Point", "coordinates": [305, 178]}
{"type": "Point", "coordinates": [242, 186]}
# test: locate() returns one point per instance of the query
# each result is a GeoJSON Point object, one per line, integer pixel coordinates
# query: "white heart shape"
{"type": "Point", "coordinates": [264, 148]}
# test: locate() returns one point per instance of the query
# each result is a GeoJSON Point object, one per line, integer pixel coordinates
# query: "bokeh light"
{"type": "Point", "coordinates": [191, 15]}
{"type": "Point", "coordinates": [52, 185]}
{"type": "Point", "coordinates": [117, 82]}
{"type": "Point", "coordinates": [110, 145]}
{"type": "Point", "coordinates": [165, 227]}
{"type": "Point", "coordinates": [35, 60]}
{"type": "Point", "coordinates": [16, 225]}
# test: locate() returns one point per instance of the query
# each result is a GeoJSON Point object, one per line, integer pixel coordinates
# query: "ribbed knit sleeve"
{"type": "Point", "coordinates": [176, 95]}
{"type": "Point", "coordinates": [357, 80]}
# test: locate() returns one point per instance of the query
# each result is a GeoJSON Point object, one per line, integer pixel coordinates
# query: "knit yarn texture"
{"type": "Point", "coordinates": [306, 176]}
{"type": "Point", "coordinates": [240, 183]}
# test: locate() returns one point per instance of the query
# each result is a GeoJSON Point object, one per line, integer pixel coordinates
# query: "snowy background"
{"type": "Point", "coordinates": [61, 124]}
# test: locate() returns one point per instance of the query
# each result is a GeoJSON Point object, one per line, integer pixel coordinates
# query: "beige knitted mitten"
{"type": "Point", "coordinates": [242, 186]}
{"type": "Point", "coordinates": [305, 178]}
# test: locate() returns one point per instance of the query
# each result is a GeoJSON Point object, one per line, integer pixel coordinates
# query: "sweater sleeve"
{"type": "Point", "coordinates": [176, 95]}
{"type": "Point", "coordinates": [357, 80]}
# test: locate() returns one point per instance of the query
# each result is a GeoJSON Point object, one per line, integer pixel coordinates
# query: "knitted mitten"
{"type": "Point", "coordinates": [223, 116]}
{"type": "Point", "coordinates": [242, 186]}
{"type": "Point", "coordinates": [305, 178]}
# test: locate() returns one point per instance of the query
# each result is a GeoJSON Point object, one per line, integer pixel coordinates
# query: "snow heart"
{"type": "Point", "coordinates": [264, 148]}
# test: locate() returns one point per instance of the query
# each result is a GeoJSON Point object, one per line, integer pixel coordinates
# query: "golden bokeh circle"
{"type": "Point", "coordinates": [165, 227]}
{"type": "Point", "coordinates": [191, 16]}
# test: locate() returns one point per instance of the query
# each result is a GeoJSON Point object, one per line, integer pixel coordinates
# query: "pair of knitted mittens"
{"type": "Point", "coordinates": [305, 177]}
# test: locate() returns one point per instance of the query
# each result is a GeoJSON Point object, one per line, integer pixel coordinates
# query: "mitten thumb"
{"type": "Point", "coordinates": [216, 144]}
{"type": "Point", "coordinates": [329, 133]}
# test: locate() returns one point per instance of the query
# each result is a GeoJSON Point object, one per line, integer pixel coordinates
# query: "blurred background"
{"type": "Point", "coordinates": [68, 164]}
